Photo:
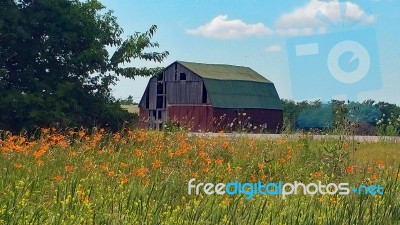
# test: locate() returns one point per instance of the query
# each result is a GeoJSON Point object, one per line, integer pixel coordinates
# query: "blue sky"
{"type": "Point", "coordinates": [262, 34]}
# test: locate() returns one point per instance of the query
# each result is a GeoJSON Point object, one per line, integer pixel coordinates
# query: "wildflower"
{"type": "Point", "coordinates": [69, 168]}
{"type": "Point", "coordinates": [345, 145]}
{"type": "Point", "coordinates": [57, 178]}
{"type": "Point", "coordinates": [225, 144]}
{"type": "Point", "coordinates": [156, 164]}
{"type": "Point", "coordinates": [188, 162]}
{"type": "Point", "coordinates": [261, 166]}
{"type": "Point", "coordinates": [141, 172]}
{"type": "Point", "coordinates": [350, 169]}
{"type": "Point", "coordinates": [111, 173]}
{"type": "Point", "coordinates": [195, 174]}
{"type": "Point", "coordinates": [81, 134]}
{"type": "Point", "coordinates": [379, 163]}
{"type": "Point", "coordinates": [317, 174]}
{"type": "Point", "coordinates": [85, 199]}
{"type": "Point", "coordinates": [18, 165]}
{"type": "Point", "coordinates": [202, 154]}
{"type": "Point", "coordinates": [138, 153]}
{"type": "Point", "coordinates": [206, 169]}
{"type": "Point", "coordinates": [219, 161]}
{"type": "Point", "coordinates": [227, 200]}
{"type": "Point", "coordinates": [123, 180]}
{"type": "Point", "coordinates": [123, 164]}
{"type": "Point", "coordinates": [374, 177]}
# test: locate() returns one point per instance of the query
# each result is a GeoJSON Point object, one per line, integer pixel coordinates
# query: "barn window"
{"type": "Point", "coordinates": [204, 96]}
{"type": "Point", "coordinates": [160, 102]}
{"type": "Point", "coordinates": [160, 88]}
{"type": "Point", "coordinates": [182, 76]}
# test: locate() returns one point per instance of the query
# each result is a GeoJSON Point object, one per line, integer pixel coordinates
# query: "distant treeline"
{"type": "Point", "coordinates": [368, 117]}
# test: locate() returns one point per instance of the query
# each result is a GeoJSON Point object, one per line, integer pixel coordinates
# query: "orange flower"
{"type": "Point", "coordinates": [379, 163]}
{"type": "Point", "coordinates": [261, 166]}
{"type": "Point", "coordinates": [374, 176]}
{"type": "Point", "coordinates": [138, 153]}
{"type": "Point", "coordinates": [57, 178]}
{"type": "Point", "coordinates": [111, 173]}
{"type": "Point", "coordinates": [228, 200]}
{"type": "Point", "coordinates": [282, 160]}
{"type": "Point", "coordinates": [317, 174]}
{"type": "Point", "coordinates": [202, 154]}
{"type": "Point", "coordinates": [350, 169]}
{"type": "Point", "coordinates": [206, 169]}
{"type": "Point", "coordinates": [225, 144]}
{"type": "Point", "coordinates": [345, 145]}
{"type": "Point", "coordinates": [123, 164]}
{"type": "Point", "coordinates": [156, 164]}
{"type": "Point", "coordinates": [69, 168]}
{"type": "Point", "coordinates": [188, 162]}
{"type": "Point", "coordinates": [219, 161]}
{"type": "Point", "coordinates": [18, 166]}
{"type": "Point", "coordinates": [195, 174]}
{"type": "Point", "coordinates": [81, 133]}
{"type": "Point", "coordinates": [85, 199]}
{"type": "Point", "coordinates": [141, 172]}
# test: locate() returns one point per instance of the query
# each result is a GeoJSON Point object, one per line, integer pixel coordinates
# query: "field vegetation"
{"type": "Point", "coordinates": [141, 177]}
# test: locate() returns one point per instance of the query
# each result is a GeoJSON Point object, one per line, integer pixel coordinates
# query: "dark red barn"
{"type": "Point", "coordinates": [211, 97]}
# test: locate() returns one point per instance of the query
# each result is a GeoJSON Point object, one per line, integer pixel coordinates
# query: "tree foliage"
{"type": "Point", "coordinates": [56, 68]}
{"type": "Point", "coordinates": [340, 115]}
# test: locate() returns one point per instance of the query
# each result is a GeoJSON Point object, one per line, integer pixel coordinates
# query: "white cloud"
{"type": "Point", "coordinates": [222, 28]}
{"type": "Point", "coordinates": [309, 19]}
{"type": "Point", "coordinates": [274, 48]}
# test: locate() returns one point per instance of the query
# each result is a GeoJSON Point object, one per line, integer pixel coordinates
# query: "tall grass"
{"type": "Point", "coordinates": [140, 177]}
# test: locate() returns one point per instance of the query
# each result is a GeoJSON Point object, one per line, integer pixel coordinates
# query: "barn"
{"type": "Point", "coordinates": [210, 97]}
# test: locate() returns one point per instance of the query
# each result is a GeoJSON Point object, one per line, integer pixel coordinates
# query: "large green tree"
{"type": "Point", "coordinates": [56, 66]}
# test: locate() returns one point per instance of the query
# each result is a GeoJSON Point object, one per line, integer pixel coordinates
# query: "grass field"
{"type": "Point", "coordinates": [141, 177]}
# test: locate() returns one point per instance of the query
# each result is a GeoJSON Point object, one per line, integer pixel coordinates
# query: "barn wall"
{"type": "Point", "coordinates": [143, 118]}
{"type": "Point", "coordinates": [188, 91]}
{"type": "Point", "coordinates": [236, 119]}
{"type": "Point", "coordinates": [194, 117]}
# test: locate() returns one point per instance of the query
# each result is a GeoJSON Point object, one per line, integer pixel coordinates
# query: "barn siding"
{"type": "Point", "coordinates": [143, 118]}
{"type": "Point", "coordinates": [269, 119]}
{"type": "Point", "coordinates": [194, 117]}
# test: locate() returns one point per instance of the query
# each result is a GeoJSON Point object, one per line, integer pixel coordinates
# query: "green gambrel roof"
{"type": "Point", "coordinates": [236, 87]}
{"type": "Point", "coordinates": [224, 72]}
